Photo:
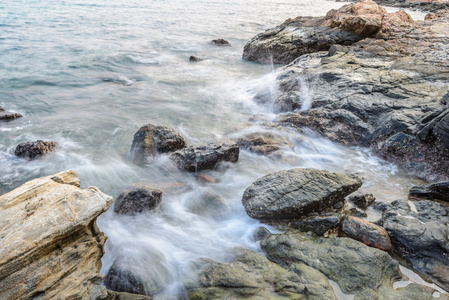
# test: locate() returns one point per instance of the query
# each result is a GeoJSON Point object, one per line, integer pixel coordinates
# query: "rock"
{"type": "Point", "coordinates": [362, 200]}
{"type": "Point", "coordinates": [364, 271]}
{"type": "Point", "coordinates": [260, 233]}
{"type": "Point", "coordinates": [319, 224]}
{"type": "Point", "coordinates": [150, 140]}
{"type": "Point", "coordinates": [124, 296]}
{"type": "Point", "coordinates": [205, 178]}
{"type": "Point", "coordinates": [356, 212]}
{"type": "Point", "coordinates": [7, 115]}
{"type": "Point", "coordinates": [432, 191]}
{"type": "Point", "coordinates": [208, 204]}
{"type": "Point", "coordinates": [366, 232]}
{"type": "Point", "coordinates": [137, 199]}
{"type": "Point", "coordinates": [318, 286]}
{"type": "Point", "coordinates": [123, 281]}
{"type": "Point", "coordinates": [206, 156]}
{"type": "Point", "coordinates": [294, 193]}
{"type": "Point", "coordinates": [248, 276]}
{"type": "Point", "coordinates": [51, 247]}
{"type": "Point", "coordinates": [195, 58]}
{"type": "Point", "coordinates": [33, 150]}
{"type": "Point", "coordinates": [221, 42]}
{"type": "Point", "coordinates": [264, 143]}
{"type": "Point", "coordinates": [421, 236]}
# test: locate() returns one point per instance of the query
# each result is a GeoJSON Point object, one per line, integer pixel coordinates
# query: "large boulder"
{"type": "Point", "coordinates": [294, 193]}
{"type": "Point", "coordinates": [7, 115]}
{"type": "Point", "coordinates": [150, 140]}
{"type": "Point", "coordinates": [206, 156]}
{"type": "Point", "coordinates": [33, 150]}
{"type": "Point", "coordinates": [366, 272]}
{"type": "Point", "coordinates": [137, 199]}
{"type": "Point", "coordinates": [51, 247]}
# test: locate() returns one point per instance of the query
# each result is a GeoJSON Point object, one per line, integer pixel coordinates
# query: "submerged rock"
{"type": "Point", "coordinates": [7, 115]}
{"type": "Point", "coordinates": [51, 247]}
{"type": "Point", "coordinates": [33, 150]}
{"type": "Point", "coordinates": [208, 204]}
{"type": "Point", "coordinates": [206, 156]}
{"type": "Point", "coordinates": [138, 199]}
{"type": "Point", "coordinates": [150, 140]}
{"type": "Point", "coordinates": [264, 143]}
{"type": "Point", "coordinates": [194, 58]}
{"type": "Point", "coordinates": [294, 193]}
{"type": "Point", "coordinates": [366, 232]}
{"type": "Point", "coordinates": [220, 42]}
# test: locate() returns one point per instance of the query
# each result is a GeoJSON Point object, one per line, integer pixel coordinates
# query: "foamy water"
{"type": "Point", "coordinates": [88, 74]}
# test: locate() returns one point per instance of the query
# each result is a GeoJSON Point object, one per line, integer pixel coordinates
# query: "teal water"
{"type": "Point", "coordinates": [88, 74]}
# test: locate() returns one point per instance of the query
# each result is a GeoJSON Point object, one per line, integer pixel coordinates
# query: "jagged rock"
{"type": "Point", "coordinates": [51, 247]}
{"type": "Point", "coordinates": [137, 199]}
{"type": "Point", "coordinates": [7, 115]}
{"type": "Point", "coordinates": [421, 236]}
{"type": "Point", "coordinates": [294, 193]}
{"type": "Point", "coordinates": [358, 269]}
{"type": "Point", "coordinates": [432, 191]}
{"type": "Point", "coordinates": [220, 42]}
{"type": "Point", "coordinates": [150, 140]}
{"type": "Point", "coordinates": [366, 232]}
{"type": "Point", "coordinates": [249, 276]}
{"type": "Point", "coordinates": [362, 200]}
{"type": "Point", "coordinates": [318, 224]}
{"type": "Point", "coordinates": [206, 156]}
{"type": "Point", "coordinates": [33, 150]}
{"type": "Point", "coordinates": [194, 58]}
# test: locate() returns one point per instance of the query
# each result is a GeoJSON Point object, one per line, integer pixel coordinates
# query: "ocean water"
{"type": "Point", "coordinates": [89, 74]}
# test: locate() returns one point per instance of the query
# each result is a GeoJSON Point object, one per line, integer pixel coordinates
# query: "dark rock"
{"type": "Point", "coordinates": [194, 58]}
{"type": "Point", "coordinates": [368, 233]}
{"type": "Point", "coordinates": [36, 149]}
{"type": "Point", "coordinates": [421, 236]}
{"type": "Point", "coordinates": [264, 143]}
{"type": "Point", "coordinates": [433, 191]}
{"type": "Point", "coordinates": [150, 140]}
{"type": "Point", "coordinates": [207, 156]}
{"type": "Point", "coordinates": [7, 115]}
{"type": "Point", "coordinates": [318, 225]}
{"type": "Point", "coordinates": [124, 296]}
{"type": "Point", "coordinates": [362, 200]}
{"type": "Point", "coordinates": [294, 193]}
{"type": "Point", "coordinates": [356, 212]}
{"type": "Point", "coordinates": [123, 281]}
{"type": "Point", "coordinates": [220, 42]}
{"type": "Point", "coordinates": [137, 199]}
{"type": "Point", "coordinates": [260, 233]}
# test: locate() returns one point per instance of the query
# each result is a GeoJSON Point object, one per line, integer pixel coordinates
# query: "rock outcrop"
{"type": "Point", "coordinates": [294, 193]}
{"type": "Point", "coordinates": [150, 140]}
{"type": "Point", "coordinates": [33, 150]}
{"type": "Point", "coordinates": [7, 115]}
{"type": "Point", "coordinates": [50, 245]}
{"type": "Point", "coordinates": [206, 156]}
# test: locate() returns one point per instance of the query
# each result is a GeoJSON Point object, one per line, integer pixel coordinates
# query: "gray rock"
{"type": "Point", "coordinates": [294, 193]}
{"type": "Point", "coordinates": [137, 199]}
{"type": "Point", "coordinates": [319, 224]}
{"type": "Point", "coordinates": [260, 233]}
{"type": "Point", "coordinates": [206, 156]}
{"type": "Point", "coordinates": [362, 200]}
{"type": "Point", "coordinates": [433, 191]}
{"type": "Point", "coordinates": [208, 204]}
{"type": "Point", "coordinates": [194, 58]}
{"type": "Point", "coordinates": [150, 140]}
{"type": "Point", "coordinates": [7, 115]}
{"type": "Point", "coordinates": [264, 143]}
{"type": "Point", "coordinates": [221, 42]}
{"type": "Point", "coordinates": [33, 150]}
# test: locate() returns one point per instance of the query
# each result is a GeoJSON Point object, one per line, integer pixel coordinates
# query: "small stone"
{"type": "Point", "coordinates": [220, 42]}
{"type": "Point", "coordinates": [36, 149]}
{"type": "Point", "coordinates": [195, 59]}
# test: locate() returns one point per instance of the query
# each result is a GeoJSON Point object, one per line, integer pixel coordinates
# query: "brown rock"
{"type": "Point", "coordinates": [368, 233]}
{"type": "Point", "coordinates": [50, 245]}
{"type": "Point", "coordinates": [205, 178]}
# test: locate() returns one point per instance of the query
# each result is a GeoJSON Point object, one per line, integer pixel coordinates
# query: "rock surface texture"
{"type": "Point", "coordinates": [50, 245]}
{"type": "Point", "coordinates": [366, 232]}
{"type": "Point", "coordinates": [150, 140]}
{"type": "Point", "coordinates": [33, 150]}
{"type": "Point", "coordinates": [138, 199]}
{"type": "Point", "coordinates": [294, 193]}
{"type": "Point", "coordinates": [387, 90]}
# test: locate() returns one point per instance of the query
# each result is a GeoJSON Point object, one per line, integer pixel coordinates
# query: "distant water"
{"type": "Point", "coordinates": [88, 74]}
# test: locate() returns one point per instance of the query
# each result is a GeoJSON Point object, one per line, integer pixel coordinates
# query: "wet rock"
{"type": "Point", "coordinates": [7, 115]}
{"type": "Point", "coordinates": [205, 178]}
{"type": "Point", "coordinates": [150, 140]}
{"type": "Point", "coordinates": [260, 233]}
{"type": "Point", "coordinates": [368, 233]}
{"type": "Point", "coordinates": [206, 156]}
{"type": "Point", "coordinates": [318, 224]}
{"type": "Point", "coordinates": [208, 204]}
{"type": "Point", "coordinates": [124, 296]}
{"type": "Point", "coordinates": [264, 143]}
{"type": "Point", "coordinates": [358, 269]}
{"type": "Point", "coordinates": [421, 235]}
{"type": "Point", "coordinates": [221, 42]}
{"type": "Point", "coordinates": [356, 212]}
{"type": "Point", "coordinates": [249, 276]}
{"type": "Point", "coordinates": [318, 286]}
{"type": "Point", "coordinates": [432, 191]}
{"type": "Point", "coordinates": [362, 200]}
{"type": "Point", "coordinates": [194, 58]}
{"type": "Point", "coordinates": [33, 150]}
{"type": "Point", "coordinates": [294, 193]}
{"type": "Point", "coordinates": [123, 281]}
{"type": "Point", "coordinates": [137, 199]}
{"type": "Point", "coordinates": [51, 247]}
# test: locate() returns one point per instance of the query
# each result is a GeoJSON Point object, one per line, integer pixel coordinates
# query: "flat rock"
{"type": "Point", "coordinates": [33, 150]}
{"type": "Point", "coordinates": [206, 156]}
{"type": "Point", "coordinates": [51, 247]}
{"type": "Point", "coordinates": [294, 193]}
{"type": "Point", "coordinates": [150, 140]}
{"type": "Point", "coordinates": [137, 199]}
{"type": "Point", "coordinates": [366, 232]}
